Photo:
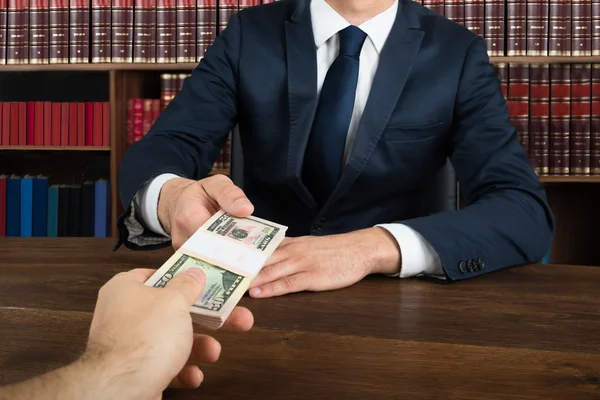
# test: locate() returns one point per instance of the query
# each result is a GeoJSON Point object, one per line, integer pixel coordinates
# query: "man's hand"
{"type": "Point", "coordinates": [318, 263]}
{"type": "Point", "coordinates": [145, 335]}
{"type": "Point", "coordinates": [184, 205]}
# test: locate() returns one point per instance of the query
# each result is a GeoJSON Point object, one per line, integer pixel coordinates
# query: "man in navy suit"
{"type": "Point", "coordinates": [347, 109]}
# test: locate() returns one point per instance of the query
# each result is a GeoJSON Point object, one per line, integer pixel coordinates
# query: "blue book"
{"type": "Point", "coordinates": [40, 206]}
{"type": "Point", "coordinates": [13, 205]}
{"type": "Point", "coordinates": [52, 211]}
{"type": "Point", "coordinates": [27, 206]}
{"type": "Point", "coordinates": [101, 212]}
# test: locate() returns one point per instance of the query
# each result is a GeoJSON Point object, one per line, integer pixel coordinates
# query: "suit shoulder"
{"type": "Point", "coordinates": [270, 12]}
{"type": "Point", "coordinates": [440, 28]}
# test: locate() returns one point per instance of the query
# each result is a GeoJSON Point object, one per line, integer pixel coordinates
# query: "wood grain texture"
{"type": "Point", "coordinates": [527, 333]}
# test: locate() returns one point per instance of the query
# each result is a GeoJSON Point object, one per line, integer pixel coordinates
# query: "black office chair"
{"type": "Point", "coordinates": [442, 195]}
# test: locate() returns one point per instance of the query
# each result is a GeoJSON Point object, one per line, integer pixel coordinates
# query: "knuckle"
{"type": "Point", "coordinates": [288, 283]}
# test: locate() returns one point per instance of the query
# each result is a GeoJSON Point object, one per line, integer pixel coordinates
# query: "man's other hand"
{"type": "Point", "coordinates": [318, 263]}
{"type": "Point", "coordinates": [146, 337]}
{"type": "Point", "coordinates": [184, 205]}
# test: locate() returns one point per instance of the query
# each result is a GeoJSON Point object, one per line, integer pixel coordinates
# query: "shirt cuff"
{"type": "Point", "coordinates": [418, 257]}
{"type": "Point", "coordinates": [146, 202]}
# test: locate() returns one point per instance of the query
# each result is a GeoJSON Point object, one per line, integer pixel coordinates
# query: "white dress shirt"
{"type": "Point", "coordinates": [418, 257]}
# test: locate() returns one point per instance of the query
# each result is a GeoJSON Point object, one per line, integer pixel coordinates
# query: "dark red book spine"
{"type": "Point", "coordinates": [144, 31]}
{"type": "Point", "coordinates": [22, 123]}
{"type": "Point", "coordinates": [186, 30]}
{"type": "Point", "coordinates": [55, 136]}
{"type": "Point", "coordinates": [47, 123]}
{"type": "Point", "coordinates": [38, 32]}
{"type": "Point", "coordinates": [72, 124]}
{"type": "Point", "coordinates": [581, 80]}
{"type": "Point", "coordinates": [146, 116]}
{"type": "Point", "coordinates": [138, 115]}
{"type": "Point", "coordinates": [596, 27]}
{"type": "Point", "coordinates": [207, 25]}
{"type": "Point", "coordinates": [434, 5]}
{"type": "Point", "coordinates": [5, 126]}
{"type": "Point", "coordinates": [14, 124]}
{"type": "Point", "coordinates": [97, 125]}
{"type": "Point", "coordinates": [65, 122]}
{"type": "Point", "coordinates": [155, 109]}
{"type": "Point", "coordinates": [516, 30]}
{"type": "Point", "coordinates": [229, 7]}
{"type": "Point", "coordinates": [559, 41]}
{"type": "Point", "coordinates": [79, 29]}
{"type": "Point", "coordinates": [81, 124]}
{"type": "Point", "coordinates": [166, 35]}
{"type": "Point", "coordinates": [106, 124]}
{"type": "Point", "coordinates": [3, 23]}
{"type": "Point", "coordinates": [101, 31]}
{"type": "Point", "coordinates": [537, 27]}
{"type": "Point", "coordinates": [581, 39]}
{"type": "Point", "coordinates": [474, 16]}
{"type": "Point", "coordinates": [59, 32]}
{"type": "Point", "coordinates": [122, 31]}
{"type": "Point", "coordinates": [30, 134]}
{"type": "Point", "coordinates": [560, 118]}
{"type": "Point", "coordinates": [251, 3]}
{"type": "Point", "coordinates": [2, 206]}
{"type": "Point", "coordinates": [518, 101]}
{"type": "Point", "coordinates": [38, 136]}
{"type": "Point", "coordinates": [494, 27]}
{"type": "Point", "coordinates": [89, 124]}
{"type": "Point", "coordinates": [455, 11]}
{"type": "Point", "coordinates": [17, 43]}
{"type": "Point", "coordinates": [595, 122]}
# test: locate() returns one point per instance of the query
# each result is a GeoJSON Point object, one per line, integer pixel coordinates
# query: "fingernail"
{"type": "Point", "coordinates": [239, 203]}
{"type": "Point", "coordinates": [197, 273]}
{"type": "Point", "coordinates": [254, 291]}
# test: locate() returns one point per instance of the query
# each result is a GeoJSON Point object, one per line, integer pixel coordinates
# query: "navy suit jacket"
{"type": "Point", "coordinates": [435, 96]}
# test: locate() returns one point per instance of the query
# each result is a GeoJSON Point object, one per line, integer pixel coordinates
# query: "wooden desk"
{"type": "Point", "coordinates": [526, 333]}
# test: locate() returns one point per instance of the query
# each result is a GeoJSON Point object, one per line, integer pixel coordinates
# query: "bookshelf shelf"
{"type": "Point", "coordinates": [545, 60]}
{"type": "Point", "coordinates": [219, 171]}
{"type": "Point", "coordinates": [98, 67]}
{"type": "Point", "coordinates": [570, 179]}
{"type": "Point", "coordinates": [55, 148]}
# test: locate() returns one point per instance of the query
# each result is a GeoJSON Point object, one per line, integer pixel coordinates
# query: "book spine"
{"type": "Point", "coordinates": [559, 28]}
{"type": "Point", "coordinates": [206, 30]}
{"type": "Point", "coordinates": [474, 16]}
{"type": "Point", "coordinates": [101, 209]}
{"type": "Point", "coordinates": [47, 123]}
{"type": "Point", "coordinates": [434, 5]}
{"type": "Point", "coordinates": [581, 35]}
{"type": "Point", "coordinates": [3, 24]}
{"type": "Point", "coordinates": [97, 124]}
{"type": "Point", "coordinates": [581, 80]}
{"type": "Point", "coordinates": [40, 207]}
{"type": "Point", "coordinates": [539, 120]}
{"type": "Point", "coordinates": [518, 101]}
{"type": "Point", "coordinates": [52, 226]}
{"type": "Point", "coordinates": [26, 229]}
{"type": "Point", "coordinates": [130, 122]}
{"type": "Point", "coordinates": [179, 82]}
{"type": "Point", "coordinates": [494, 29]}
{"type": "Point", "coordinates": [155, 110]}
{"type": "Point", "coordinates": [166, 92]}
{"type": "Point", "coordinates": [81, 124]}
{"type": "Point", "coordinates": [502, 71]}
{"type": "Point", "coordinates": [146, 116]}
{"type": "Point", "coordinates": [122, 31]}
{"type": "Point", "coordinates": [89, 124]}
{"type": "Point", "coordinates": [595, 122]}
{"type": "Point", "coordinates": [455, 11]}
{"type": "Point", "coordinates": [166, 35]}
{"type": "Point", "coordinates": [560, 107]}
{"type": "Point", "coordinates": [64, 124]}
{"type": "Point", "coordinates": [537, 27]}
{"type": "Point", "coordinates": [38, 137]}
{"type": "Point", "coordinates": [138, 114]}
{"type": "Point", "coordinates": [59, 32]}
{"type": "Point", "coordinates": [22, 123]}
{"type": "Point", "coordinates": [79, 30]}
{"type": "Point", "coordinates": [14, 124]}
{"type": "Point", "coordinates": [596, 27]}
{"type": "Point", "coordinates": [101, 31]}
{"type": "Point", "coordinates": [516, 21]}
{"type": "Point", "coordinates": [13, 206]}
{"type": "Point", "coordinates": [186, 30]}
{"type": "Point", "coordinates": [17, 43]}
{"type": "Point", "coordinates": [144, 31]}
{"type": "Point", "coordinates": [30, 128]}
{"type": "Point", "coordinates": [2, 207]}
{"type": "Point", "coordinates": [72, 124]}
{"type": "Point", "coordinates": [229, 7]}
{"type": "Point", "coordinates": [5, 126]}
{"type": "Point", "coordinates": [56, 123]}
{"type": "Point", "coordinates": [106, 124]}
{"type": "Point", "coordinates": [38, 32]}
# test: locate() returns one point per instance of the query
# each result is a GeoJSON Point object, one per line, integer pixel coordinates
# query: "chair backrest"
{"type": "Point", "coordinates": [442, 195]}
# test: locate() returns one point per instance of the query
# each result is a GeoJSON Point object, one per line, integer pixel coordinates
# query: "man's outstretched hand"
{"type": "Point", "coordinates": [184, 205]}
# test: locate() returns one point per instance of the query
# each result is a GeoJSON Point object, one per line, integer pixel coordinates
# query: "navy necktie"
{"type": "Point", "coordinates": [325, 149]}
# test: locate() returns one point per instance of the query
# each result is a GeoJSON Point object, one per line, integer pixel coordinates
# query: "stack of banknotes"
{"type": "Point", "coordinates": [231, 251]}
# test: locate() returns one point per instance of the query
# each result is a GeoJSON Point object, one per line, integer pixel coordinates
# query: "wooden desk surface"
{"type": "Point", "coordinates": [527, 333]}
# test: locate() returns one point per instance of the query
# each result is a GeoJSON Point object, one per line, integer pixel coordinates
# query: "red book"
{"type": "Point", "coordinates": [106, 124]}
{"type": "Point", "coordinates": [89, 124]}
{"type": "Point", "coordinates": [166, 31]}
{"type": "Point", "coordinates": [560, 118]}
{"type": "Point", "coordinates": [539, 117]}
{"type": "Point", "coordinates": [147, 116]}
{"type": "Point", "coordinates": [100, 31]}
{"type": "Point", "coordinates": [5, 137]}
{"type": "Point", "coordinates": [155, 109]}
{"type": "Point", "coordinates": [122, 31]}
{"type": "Point", "coordinates": [518, 101]}
{"type": "Point", "coordinates": [97, 124]}
{"type": "Point", "coordinates": [2, 206]}
{"type": "Point", "coordinates": [581, 80]}
{"type": "Point", "coordinates": [22, 124]}
{"type": "Point", "coordinates": [47, 123]}
{"type": "Point", "coordinates": [144, 31]}
{"type": "Point", "coordinates": [14, 124]}
{"type": "Point", "coordinates": [81, 124]}
{"type": "Point", "coordinates": [59, 32]}
{"type": "Point", "coordinates": [38, 31]}
{"type": "Point", "coordinates": [55, 135]}
{"type": "Point", "coordinates": [537, 27]}
{"type": "Point", "coordinates": [3, 31]}
{"type": "Point", "coordinates": [64, 123]}
{"type": "Point", "coordinates": [130, 122]}
{"type": "Point", "coordinates": [595, 123]}
{"type": "Point", "coordinates": [186, 30]}
{"type": "Point", "coordinates": [30, 134]}
{"type": "Point", "coordinates": [79, 29]}
{"type": "Point", "coordinates": [474, 16]}
{"type": "Point", "coordinates": [17, 43]}
{"type": "Point", "coordinates": [38, 132]}
{"type": "Point", "coordinates": [138, 113]}
{"type": "Point", "coordinates": [72, 124]}
{"type": "Point", "coordinates": [494, 28]}
{"type": "Point", "coordinates": [206, 25]}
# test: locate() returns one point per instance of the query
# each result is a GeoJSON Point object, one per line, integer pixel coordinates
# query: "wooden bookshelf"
{"type": "Point", "coordinates": [570, 179]}
{"type": "Point", "coordinates": [55, 148]}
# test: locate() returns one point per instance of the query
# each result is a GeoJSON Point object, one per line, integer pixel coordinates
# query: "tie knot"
{"type": "Point", "coordinates": [351, 41]}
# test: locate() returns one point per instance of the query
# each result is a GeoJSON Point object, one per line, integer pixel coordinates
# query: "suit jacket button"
{"type": "Point", "coordinates": [480, 263]}
{"type": "Point", "coordinates": [470, 266]}
{"type": "Point", "coordinates": [462, 266]}
{"type": "Point", "coordinates": [319, 224]}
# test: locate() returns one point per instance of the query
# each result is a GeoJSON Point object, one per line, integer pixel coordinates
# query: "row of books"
{"type": "Point", "coordinates": [29, 207]}
{"type": "Point", "coordinates": [555, 108]}
{"type": "Point", "coordinates": [118, 31]}
{"type": "Point", "coordinates": [37, 123]}
{"type": "Point", "coordinates": [528, 27]}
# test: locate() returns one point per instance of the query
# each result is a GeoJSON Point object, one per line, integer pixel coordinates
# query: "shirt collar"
{"type": "Point", "coordinates": [326, 22]}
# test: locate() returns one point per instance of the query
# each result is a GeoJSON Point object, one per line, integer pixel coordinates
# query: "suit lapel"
{"type": "Point", "coordinates": [395, 63]}
{"type": "Point", "coordinates": [302, 93]}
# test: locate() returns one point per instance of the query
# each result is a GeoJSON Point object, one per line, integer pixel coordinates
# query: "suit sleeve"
{"type": "Point", "coordinates": [506, 221]}
{"type": "Point", "coordinates": [187, 137]}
